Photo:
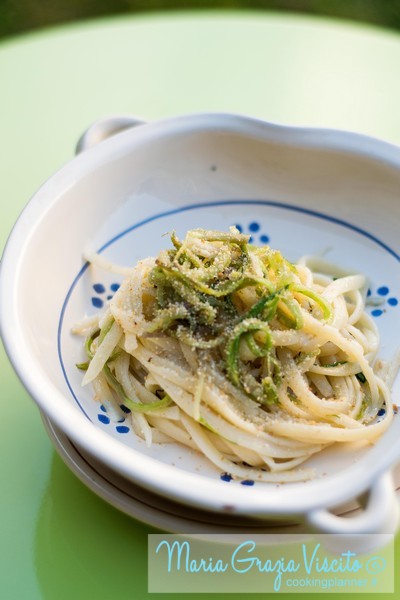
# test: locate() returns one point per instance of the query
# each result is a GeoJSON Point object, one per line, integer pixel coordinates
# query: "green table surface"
{"type": "Point", "coordinates": [57, 539]}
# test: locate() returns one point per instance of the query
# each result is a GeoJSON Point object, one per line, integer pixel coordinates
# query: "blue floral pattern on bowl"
{"type": "Point", "coordinates": [105, 419]}
{"type": "Point", "coordinates": [257, 236]}
{"type": "Point", "coordinates": [380, 300]}
{"type": "Point", "coordinates": [103, 293]}
{"type": "Point", "coordinates": [383, 298]}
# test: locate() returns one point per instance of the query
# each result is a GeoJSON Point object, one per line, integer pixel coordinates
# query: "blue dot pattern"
{"type": "Point", "coordinates": [226, 477]}
{"type": "Point", "coordinates": [254, 228]}
{"type": "Point", "coordinates": [125, 409]}
{"type": "Point", "coordinates": [383, 291]}
{"type": "Point", "coordinates": [103, 419]}
{"type": "Point", "coordinates": [122, 429]}
{"type": "Point", "coordinates": [381, 412]}
{"type": "Point", "coordinates": [247, 482]}
{"type": "Point", "coordinates": [97, 302]}
{"type": "Point", "coordinates": [100, 289]}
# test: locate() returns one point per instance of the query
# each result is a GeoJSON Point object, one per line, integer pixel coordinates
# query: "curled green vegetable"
{"type": "Point", "coordinates": [134, 406]}
{"type": "Point", "coordinates": [259, 347]}
{"type": "Point", "coordinates": [223, 297]}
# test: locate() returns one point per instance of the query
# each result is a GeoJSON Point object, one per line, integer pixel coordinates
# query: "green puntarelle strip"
{"type": "Point", "coordinates": [166, 317]}
{"type": "Point", "coordinates": [211, 235]}
{"type": "Point", "coordinates": [83, 366]}
{"type": "Point", "coordinates": [195, 301]}
{"type": "Point", "coordinates": [289, 313]}
{"type": "Point", "coordinates": [232, 350]}
{"type": "Point", "coordinates": [188, 338]}
{"type": "Point", "coordinates": [252, 345]}
{"type": "Point", "coordinates": [322, 303]}
{"type": "Point", "coordinates": [88, 343]}
{"type": "Point", "coordinates": [270, 391]}
{"type": "Point", "coordinates": [218, 291]}
{"type": "Point", "coordinates": [106, 328]}
{"type": "Point", "coordinates": [175, 240]}
{"type": "Point", "coordinates": [204, 273]}
{"type": "Point", "coordinates": [361, 377]}
{"type": "Point", "coordinates": [131, 404]}
{"type": "Point", "coordinates": [337, 363]}
{"type": "Point", "coordinates": [364, 405]}
{"type": "Point", "coordinates": [101, 334]}
{"type": "Point", "coordinates": [265, 308]}
{"type": "Point", "coordinates": [207, 425]}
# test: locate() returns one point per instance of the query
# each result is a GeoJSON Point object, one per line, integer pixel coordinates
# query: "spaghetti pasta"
{"type": "Point", "coordinates": [232, 350]}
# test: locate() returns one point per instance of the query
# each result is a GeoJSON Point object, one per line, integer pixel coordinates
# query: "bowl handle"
{"type": "Point", "coordinates": [380, 514]}
{"type": "Point", "coordinates": [104, 128]}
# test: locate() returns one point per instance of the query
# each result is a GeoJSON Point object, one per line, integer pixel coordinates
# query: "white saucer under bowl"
{"type": "Point", "coordinates": [160, 512]}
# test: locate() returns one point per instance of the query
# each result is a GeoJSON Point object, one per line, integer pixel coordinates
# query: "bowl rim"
{"type": "Point", "coordinates": [158, 477]}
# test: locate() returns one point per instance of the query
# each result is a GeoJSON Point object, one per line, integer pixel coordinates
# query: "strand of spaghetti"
{"type": "Point", "coordinates": [203, 443]}
{"type": "Point", "coordinates": [300, 386]}
{"type": "Point", "coordinates": [88, 323]}
{"type": "Point", "coordinates": [357, 309]}
{"type": "Point", "coordinates": [239, 418]}
{"type": "Point", "coordinates": [255, 441]}
{"type": "Point", "coordinates": [355, 390]}
{"type": "Point", "coordinates": [172, 430]}
{"type": "Point", "coordinates": [104, 396]}
{"type": "Point", "coordinates": [337, 371]}
{"type": "Point", "coordinates": [127, 304]}
{"type": "Point", "coordinates": [186, 380]}
{"type": "Point", "coordinates": [291, 405]}
{"type": "Point", "coordinates": [340, 314]}
{"type": "Point", "coordinates": [341, 286]}
{"type": "Point", "coordinates": [328, 433]}
{"type": "Point", "coordinates": [190, 357]}
{"type": "Point", "coordinates": [316, 264]}
{"type": "Point", "coordinates": [103, 353]}
{"type": "Point", "coordinates": [352, 348]}
{"type": "Point", "coordinates": [259, 460]}
{"type": "Point", "coordinates": [142, 428]}
{"type": "Point", "coordinates": [161, 438]}
{"type": "Point", "coordinates": [297, 340]}
{"type": "Point", "coordinates": [251, 458]}
{"type": "Point", "coordinates": [305, 274]}
{"type": "Point", "coordinates": [172, 413]}
{"type": "Point", "coordinates": [94, 258]}
{"type": "Point", "coordinates": [321, 384]}
{"type": "Point", "coordinates": [121, 369]}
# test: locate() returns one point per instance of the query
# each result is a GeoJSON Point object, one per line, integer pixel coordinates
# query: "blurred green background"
{"type": "Point", "coordinates": [20, 16]}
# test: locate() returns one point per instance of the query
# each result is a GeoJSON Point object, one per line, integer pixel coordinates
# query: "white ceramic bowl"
{"type": "Point", "coordinates": [304, 190]}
